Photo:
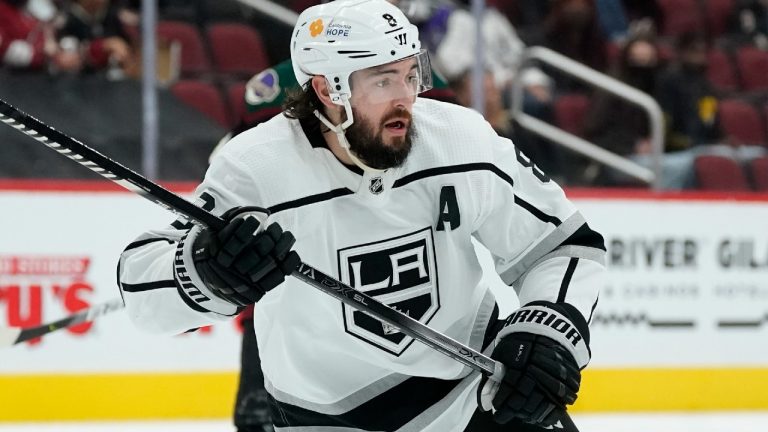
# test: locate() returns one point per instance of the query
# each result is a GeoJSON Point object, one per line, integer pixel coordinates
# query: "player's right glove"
{"type": "Point", "coordinates": [240, 263]}
{"type": "Point", "coordinates": [543, 347]}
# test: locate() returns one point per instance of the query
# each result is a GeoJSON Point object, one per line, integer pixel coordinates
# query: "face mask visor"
{"type": "Point", "coordinates": [403, 79]}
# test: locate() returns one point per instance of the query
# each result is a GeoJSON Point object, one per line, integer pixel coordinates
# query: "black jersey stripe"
{"type": "Point", "coordinates": [140, 243]}
{"type": "Point", "coordinates": [536, 212]}
{"type": "Point", "coordinates": [480, 166]}
{"type": "Point", "coordinates": [401, 404]}
{"type": "Point", "coordinates": [585, 236]}
{"type": "Point", "coordinates": [149, 286]}
{"type": "Point", "coordinates": [452, 169]}
{"type": "Point", "coordinates": [311, 199]}
{"type": "Point", "coordinates": [567, 279]}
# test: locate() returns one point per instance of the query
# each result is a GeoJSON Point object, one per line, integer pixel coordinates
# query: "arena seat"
{"type": "Point", "coordinates": [237, 49]}
{"type": "Point", "coordinates": [680, 16]}
{"type": "Point", "coordinates": [719, 173]}
{"type": "Point", "coordinates": [204, 97]}
{"type": "Point", "coordinates": [194, 59]}
{"type": "Point", "coordinates": [753, 64]}
{"type": "Point", "coordinates": [721, 71]}
{"type": "Point", "coordinates": [741, 122]}
{"type": "Point", "coordinates": [570, 110]}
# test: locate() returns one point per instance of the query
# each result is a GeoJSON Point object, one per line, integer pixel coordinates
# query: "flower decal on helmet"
{"type": "Point", "coordinates": [316, 27]}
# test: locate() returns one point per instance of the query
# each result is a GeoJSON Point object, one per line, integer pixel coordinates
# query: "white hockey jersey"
{"type": "Point", "coordinates": [404, 237]}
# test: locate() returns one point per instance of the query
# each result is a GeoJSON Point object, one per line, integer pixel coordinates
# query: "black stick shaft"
{"type": "Point", "coordinates": [20, 335]}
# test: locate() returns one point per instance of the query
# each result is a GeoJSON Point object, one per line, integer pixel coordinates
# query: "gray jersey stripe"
{"type": "Point", "coordinates": [570, 251]}
{"type": "Point", "coordinates": [344, 405]}
{"type": "Point", "coordinates": [519, 267]}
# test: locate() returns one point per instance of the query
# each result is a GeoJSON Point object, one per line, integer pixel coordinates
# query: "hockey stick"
{"type": "Point", "coordinates": [10, 336]}
{"type": "Point", "coordinates": [133, 181]}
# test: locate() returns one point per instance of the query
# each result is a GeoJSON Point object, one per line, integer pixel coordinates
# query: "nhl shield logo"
{"type": "Point", "coordinates": [376, 185]}
{"type": "Point", "coordinates": [400, 272]}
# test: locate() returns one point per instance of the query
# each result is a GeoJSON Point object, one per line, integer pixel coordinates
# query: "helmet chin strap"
{"type": "Point", "coordinates": [342, 137]}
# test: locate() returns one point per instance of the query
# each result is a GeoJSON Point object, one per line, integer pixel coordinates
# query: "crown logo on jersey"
{"type": "Point", "coordinates": [390, 329]}
{"type": "Point", "coordinates": [376, 186]}
{"type": "Point", "coordinates": [400, 272]}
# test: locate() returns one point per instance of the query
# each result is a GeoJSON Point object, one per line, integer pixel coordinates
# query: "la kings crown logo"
{"type": "Point", "coordinates": [400, 272]}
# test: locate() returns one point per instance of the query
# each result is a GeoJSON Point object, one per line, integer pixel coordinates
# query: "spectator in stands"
{"type": "Point", "coordinates": [613, 19]}
{"type": "Point", "coordinates": [94, 27]}
{"type": "Point", "coordinates": [527, 16]}
{"type": "Point", "coordinates": [749, 23]}
{"type": "Point", "coordinates": [495, 113]}
{"type": "Point", "coordinates": [26, 35]}
{"type": "Point", "coordinates": [687, 97]}
{"type": "Point", "coordinates": [615, 124]}
{"type": "Point", "coordinates": [455, 53]}
{"type": "Point", "coordinates": [540, 151]}
{"type": "Point", "coordinates": [644, 10]}
{"type": "Point", "coordinates": [455, 56]}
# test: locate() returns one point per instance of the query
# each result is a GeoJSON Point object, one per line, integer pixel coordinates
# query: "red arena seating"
{"type": "Point", "coordinates": [718, 173]}
{"type": "Point", "coordinates": [680, 16]}
{"type": "Point", "coordinates": [717, 14]}
{"type": "Point", "coordinates": [204, 97]}
{"type": "Point", "coordinates": [237, 49]}
{"type": "Point", "coordinates": [741, 122]}
{"type": "Point", "coordinates": [721, 72]}
{"type": "Point", "coordinates": [194, 59]}
{"type": "Point", "coordinates": [570, 110]}
{"type": "Point", "coordinates": [753, 67]}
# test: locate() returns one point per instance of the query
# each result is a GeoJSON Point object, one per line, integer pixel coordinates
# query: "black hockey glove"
{"type": "Point", "coordinates": [239, 264]}
{"type": "Point", "coordinates": [544, 346]}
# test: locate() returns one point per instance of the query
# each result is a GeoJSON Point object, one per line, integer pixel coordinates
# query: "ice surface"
{"type": "Point", "coordinates": [636, 422]}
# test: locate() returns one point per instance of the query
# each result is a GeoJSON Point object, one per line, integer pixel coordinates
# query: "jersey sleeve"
{"type": "Point", "coordinates": [541, 244]}
{"type": "Point", "coordinates": [160, 287]}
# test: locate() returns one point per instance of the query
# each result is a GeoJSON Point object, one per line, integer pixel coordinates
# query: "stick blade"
{"type": "Point", "coordinates": [9, 336]}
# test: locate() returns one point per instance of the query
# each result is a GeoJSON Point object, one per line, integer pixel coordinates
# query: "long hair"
{"type": "Point", "coordinates": [301, 104]}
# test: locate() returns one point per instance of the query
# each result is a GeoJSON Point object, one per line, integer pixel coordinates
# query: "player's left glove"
{"type": "Point", "coordinates": [543, 346]}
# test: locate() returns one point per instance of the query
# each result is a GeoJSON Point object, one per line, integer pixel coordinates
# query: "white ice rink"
{"type": "Point", "coordinates": [667, 422]}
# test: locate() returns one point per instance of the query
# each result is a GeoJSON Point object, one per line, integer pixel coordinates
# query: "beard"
{"type": "Point", "coordinates": [367, 142]}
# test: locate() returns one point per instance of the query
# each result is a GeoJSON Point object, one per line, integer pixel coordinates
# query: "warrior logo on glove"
{"type": "Point", "coordinates": [544, 351]}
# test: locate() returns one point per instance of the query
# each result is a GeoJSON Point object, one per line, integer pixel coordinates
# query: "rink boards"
{"type": "Point", "coordinates": [681, 323]}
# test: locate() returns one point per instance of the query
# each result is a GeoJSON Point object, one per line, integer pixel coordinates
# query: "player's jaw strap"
{"type": "Point", "coordinates": [340, 129]}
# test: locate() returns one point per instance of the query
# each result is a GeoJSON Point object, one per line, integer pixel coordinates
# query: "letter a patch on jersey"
{"type": "Point", "coordinates": [449, 218]}
{"type": "Point", "coordinates": [400, 272]}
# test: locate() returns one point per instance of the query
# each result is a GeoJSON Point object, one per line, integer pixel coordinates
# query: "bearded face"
{"type": "Point", "coordinates": [382, 144]}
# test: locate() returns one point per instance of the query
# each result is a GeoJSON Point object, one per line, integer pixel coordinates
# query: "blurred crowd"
{"type": "Point", "coordinates": [704, 61]}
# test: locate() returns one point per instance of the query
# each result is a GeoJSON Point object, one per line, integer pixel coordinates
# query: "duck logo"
{"type": "Point", "coordinates": [316, 28]}
{"type": "Point", "coordinates": [263, 88]}
{"type": "Point", "coordinates": [400, 272]}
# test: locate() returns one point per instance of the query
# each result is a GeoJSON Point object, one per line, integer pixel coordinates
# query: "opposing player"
{"type": "Point", "coordinates": [385, 191]}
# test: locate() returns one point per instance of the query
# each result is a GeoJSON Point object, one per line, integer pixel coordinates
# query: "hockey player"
{"type": "Point", "coordinates": [385, 191]}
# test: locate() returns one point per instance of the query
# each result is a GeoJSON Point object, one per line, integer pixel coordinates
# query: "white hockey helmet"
{"type": "Point", "coordinates": [339, 38]}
